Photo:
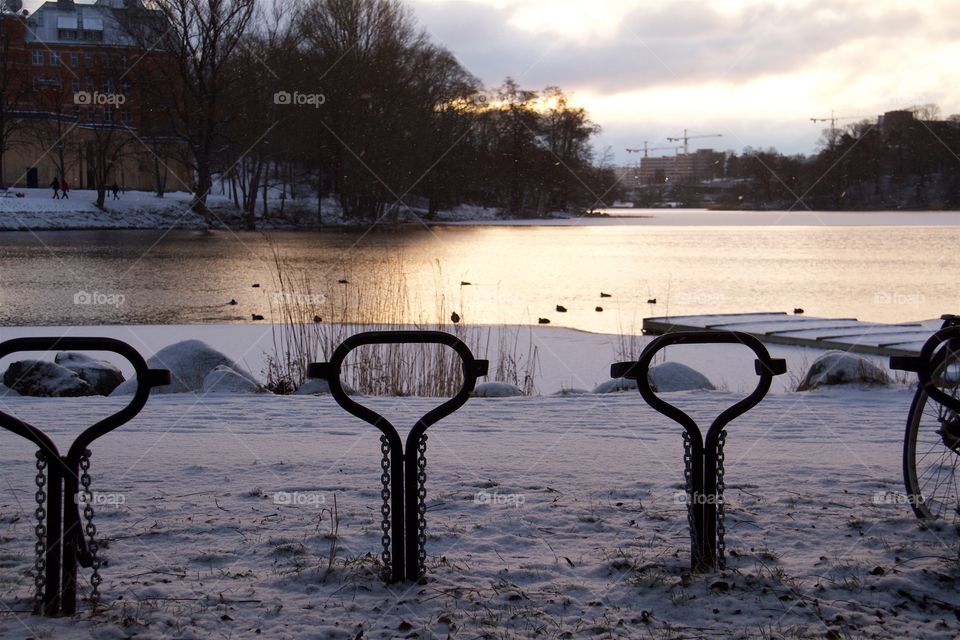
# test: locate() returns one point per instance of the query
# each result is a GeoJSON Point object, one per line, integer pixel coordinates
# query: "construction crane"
{"type": "Point", "coordinates": [833, 120]}
{"type": "Point", "coordinates": [686, 138]}
{"type": "Point", "coordinates": [647, 149]}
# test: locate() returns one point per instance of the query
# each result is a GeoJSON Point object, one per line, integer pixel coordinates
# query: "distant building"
{"type": "Point", "coordinates": [893, 122]}
{"type": "Point", "coordinates": [628, 178]}
{"type": "Point", "coordinates": [82, 84]}
{"type": "Point", "coordinates": [683, 168]}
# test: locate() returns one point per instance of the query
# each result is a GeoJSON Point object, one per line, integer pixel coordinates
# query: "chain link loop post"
{"type": "Point", "coordinates": [403, 464]}
{"type": "Point", "coordinates": [703, 455]}
{"type": "Point", "coordinates": [61, 544]}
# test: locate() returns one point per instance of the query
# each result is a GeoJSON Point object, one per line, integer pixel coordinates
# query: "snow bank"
{"type": "Point", "coordinates": [189, 362]}
{"type": "Point", "coordinates": [45, 379]}
{"type": "Point", "coordinates": [102, 376]}
{"type": "Point", "coordinates": [570, 391]}
{"type": "Point", "coordinates": [840, 367]}
{"type": "Point", "coordinates": [7, 391]}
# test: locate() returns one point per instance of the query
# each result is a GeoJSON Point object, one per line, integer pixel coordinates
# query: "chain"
{"type": "Point", "coordinates": [91, 529]}
{"type": "Point", "coordinates": [385, 508]}
{"type": "Point", "coordinates": [688, 481]}
{"type": "Point", "coordinates": [40, 562]}
{"type": "Point", "coordinates": [721, 528]}
{"type": "Point", "coordinates": [422, 501]}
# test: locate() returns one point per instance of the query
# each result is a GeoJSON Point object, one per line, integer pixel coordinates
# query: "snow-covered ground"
{"type": "Point", "coordinates": [133, 210]}
{"type": "Point", "coordinates": [37, 210]}
{"type": "Point", "coordinates": [547, 516]}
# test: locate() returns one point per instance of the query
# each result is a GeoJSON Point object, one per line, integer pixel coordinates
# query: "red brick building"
{"type": "Point", "coordinates": [83, 101]}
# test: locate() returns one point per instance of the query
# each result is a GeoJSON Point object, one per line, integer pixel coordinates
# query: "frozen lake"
{"type": "Point", "coordinates": [518, 273]}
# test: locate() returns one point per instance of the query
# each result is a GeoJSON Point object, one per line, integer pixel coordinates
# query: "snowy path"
{"type": "Point", "coordinates": [576, 532]}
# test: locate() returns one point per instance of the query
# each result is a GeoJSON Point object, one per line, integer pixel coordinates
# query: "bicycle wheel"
{"type": "Point", "coordinates": [931, 447]}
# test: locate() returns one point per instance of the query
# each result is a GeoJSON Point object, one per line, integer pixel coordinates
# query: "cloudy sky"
{"type": "Point", "coordinates": [755, 71]}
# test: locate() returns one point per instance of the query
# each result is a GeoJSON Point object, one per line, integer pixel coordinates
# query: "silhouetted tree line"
{"type": "Point", "coordinates": [351, 99]}
{"type": "Point", "coordinates": [913, 163]}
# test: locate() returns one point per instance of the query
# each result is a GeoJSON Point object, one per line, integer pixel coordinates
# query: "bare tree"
{"type": "Point", "coordinates": [197, 39]}
{"type": "Point", "coordinates": [54, 130]}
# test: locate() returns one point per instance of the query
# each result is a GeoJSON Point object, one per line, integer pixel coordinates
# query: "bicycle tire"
{"type": "Point", "coordinates": [931, 446]}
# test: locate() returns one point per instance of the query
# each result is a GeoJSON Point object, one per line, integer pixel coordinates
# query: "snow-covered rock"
{"type": "Point", "coordinates": [616, 385]}
{"type": "Point", "coordinates": [46, 379]}
{"type": "Point", "coordinates": [673, 376]}
{"type": "Point", "coordinates": [7, 391]}
{"type": "Point", "coordinates": [223, 379]}
{"type": "Point", "coordinates": [840, 367]}
{"type": "Point", "coordinates": [666, 377]}
{"type": "Point", "coordinates": [319, 387]}
{"type": "Point", "coordinates": [313, 387]}
{"type": "Point", "coordinates": [497, 390]}
{"type": "Point", "coordinates": [189, 363]}
{"type": "Point", "coordinates": [99, 374]}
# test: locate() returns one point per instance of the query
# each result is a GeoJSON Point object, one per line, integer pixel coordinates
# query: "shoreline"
{"type": "Point", "coordinates": [566, 358]}
{"type": "Point", "coordinates": [141, 211]}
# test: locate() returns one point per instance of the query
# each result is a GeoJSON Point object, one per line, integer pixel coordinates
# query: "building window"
{"type": "Point", "coordinates": [127, 117]}
{"type": "Point", "coordinates": [125, 86]}
{"type": "Point", "coordinates": [75, 85]}
{"type": "Point", "coordinates": [55, 58]}
{"type": "Point", "coordinates": [105, 59]}
{"type": "Point", "coordinates": [74, 59]}
{"type": "Point", "coordinates": [67, 34]}
{"type": "Point", "coordinates": [91, 86]}
{"type": "Point", "coordinates": [108, 86]}
{"type": "Point", "coordinates": [93, 36]}
{"type": "Point", "coordinates": [38, 57]}
{"type": "Point", "coordinates": [88, 59]}
{"type": "Point", "coordinates": [76, 113]}
{"type": "Point", "coordinates": [108, 114]}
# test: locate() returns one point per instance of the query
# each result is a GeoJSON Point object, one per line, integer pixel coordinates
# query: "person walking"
{"type": "Point", "coordinates": [65, 188]}
{"type": "Point", "coordinates": [55, 185]}
{"type": "Point", "coordinates": [116, 191]}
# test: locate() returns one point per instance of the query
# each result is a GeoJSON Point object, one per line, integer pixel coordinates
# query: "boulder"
{"type": "Point", "coordinates": [189, 363]}
{"type": "Point", "coordinates": [673, 376]}
{"type": "Point", "coordinates": [840, 367]}
{"type": "Point", "coordinates": [99, 374]}
{"type": "Point", "coordinates": [41, 378]}
{"type": "Point", "coordinates": [664, 378]}
{"type": "Point", "coordinates": [7, 391]}
{"type": "Point", "coordinates": [616, 385]}
{"type": "Point", "coordinates": [319, 387]}
{"type": "Point", "coordinates": [497, 390]}
{"type": "Point", "coordinates": [313, 387]}
{"type": "Point", "coordinates": [223, 379]}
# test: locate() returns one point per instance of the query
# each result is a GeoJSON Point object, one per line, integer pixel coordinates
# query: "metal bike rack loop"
{"type": "Point", "coordinates": [703, 455]}
{"type": "Point", "coordinates": [61, 544]}
{"type": "Point", "coordinates": [404, 467]}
